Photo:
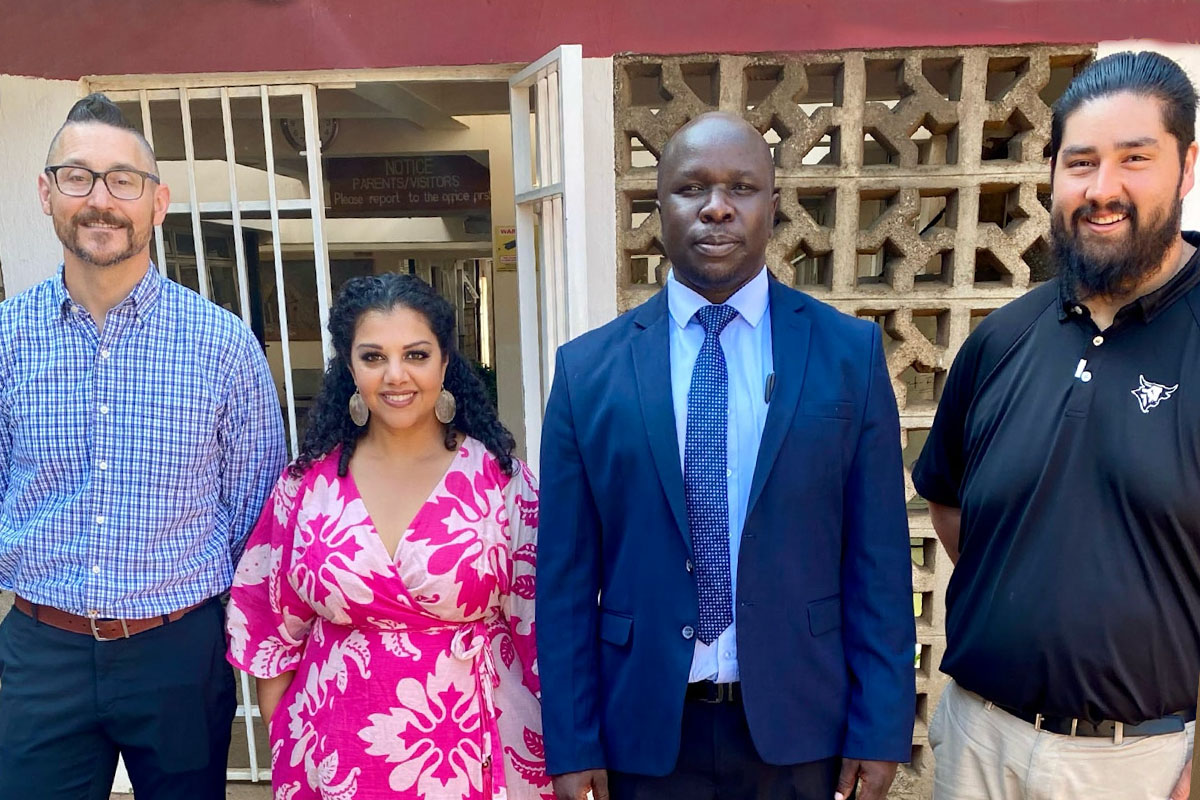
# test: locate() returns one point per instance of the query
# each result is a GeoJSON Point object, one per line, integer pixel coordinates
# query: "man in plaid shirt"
{"type": "Point", "coordinates": [139, 435]}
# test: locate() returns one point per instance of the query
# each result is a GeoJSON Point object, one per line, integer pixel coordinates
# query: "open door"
{"type": "Point", "coordinates": [547, 128]}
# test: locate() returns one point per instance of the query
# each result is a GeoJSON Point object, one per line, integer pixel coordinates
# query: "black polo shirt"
{"type": "Point", "coordinates": [1075, 457]}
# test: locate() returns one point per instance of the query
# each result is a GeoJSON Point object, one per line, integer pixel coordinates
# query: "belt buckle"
{"type": "Point", "coordinates": [96, 631]}
{"type": "Point", "coordinates": [723, 694]}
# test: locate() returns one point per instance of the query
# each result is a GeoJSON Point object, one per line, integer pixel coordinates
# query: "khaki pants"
{"type": "Point", "coordinates": [984, 753]}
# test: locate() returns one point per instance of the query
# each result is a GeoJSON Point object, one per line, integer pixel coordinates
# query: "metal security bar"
{"type": "Point", "coordinates": [195, 126]}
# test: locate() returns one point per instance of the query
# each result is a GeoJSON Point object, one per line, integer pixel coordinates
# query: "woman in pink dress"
{"type": "Point", "coordinates": [385, 598]}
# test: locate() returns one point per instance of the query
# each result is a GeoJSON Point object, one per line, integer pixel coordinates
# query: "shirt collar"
{"type": "Point", "coordinates": [750, 301]}
{"type": "Point", "coordinates": [142, 299]}
{"type": "Point", "coordinates": [1149, 305]}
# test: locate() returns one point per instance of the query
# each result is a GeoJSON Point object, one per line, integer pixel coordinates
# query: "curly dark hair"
{"type": "Point", "coordinates": [329, 423]}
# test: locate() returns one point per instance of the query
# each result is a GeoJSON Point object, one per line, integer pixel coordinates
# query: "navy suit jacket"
{"type": "Point", "coordinates": [825, 630]}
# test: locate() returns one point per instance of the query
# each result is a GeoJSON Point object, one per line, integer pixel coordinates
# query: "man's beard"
{"type": "Point", "coordinates": [68, 233]}
{"type": "Point", "coordinates": [1112, 269]}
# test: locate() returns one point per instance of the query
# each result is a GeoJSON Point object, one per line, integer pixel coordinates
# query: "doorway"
{"type": "Point", "coordinates": [285, 186]}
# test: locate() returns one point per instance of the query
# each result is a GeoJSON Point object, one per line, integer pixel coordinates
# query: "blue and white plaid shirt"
{"type": "Point", "coordinates": [133, 461]}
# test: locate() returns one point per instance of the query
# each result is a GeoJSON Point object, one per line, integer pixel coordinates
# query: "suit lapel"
{"type": "Point", "coordinates": [790, 329]}
{"type": "Point", "coordinates": [652, 369]}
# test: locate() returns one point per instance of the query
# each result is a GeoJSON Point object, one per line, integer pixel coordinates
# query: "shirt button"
{"type": "Point", "coordinates": [103, 408]}
{"type": "Point", "coordinates": [1076, 310]}
{"type": "Point", "coordinates": [93, 613]}
{"type": "Point", "coordinates": [104, 352]}
{"type": "Point", "coordinates": [96, 570]}
{"type": "Point", "coordinates": [100, 519]}
{"type": "Point", "coordinates": [1099, 340]}
{"type": "Point", "coordinates": [688, 565]}
{"type": "Point", "coordinates": [102, 464]}
{"type": "Point", "coordinates": [1085, 377]}
{"type": "Point", "coordinates": [728, 473]}
{"type": "Point", "coordinates": [688, 632]}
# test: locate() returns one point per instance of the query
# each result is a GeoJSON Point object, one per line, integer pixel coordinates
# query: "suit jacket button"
{"type": "Point", "coordinates": [688, 631]}
{"type": "Point", "coordinates": [688, 564]}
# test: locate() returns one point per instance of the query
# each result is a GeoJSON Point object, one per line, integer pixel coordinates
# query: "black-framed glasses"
{"type": "Point", "coordinates": [123, 184]}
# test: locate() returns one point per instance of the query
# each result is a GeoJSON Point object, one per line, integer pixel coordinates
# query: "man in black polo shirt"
{"type": "Point", "coordinates": [1063, 475]}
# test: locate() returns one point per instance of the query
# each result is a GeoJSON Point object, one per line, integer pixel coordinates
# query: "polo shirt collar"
{"type": "Point", "coordinates": [750, 301]}
{"type": "Point", "coordinates": [1150, 305]}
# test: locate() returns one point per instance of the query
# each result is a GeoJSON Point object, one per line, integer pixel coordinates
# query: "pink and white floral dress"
{"type": "Point", "coordinates": [414, 677]}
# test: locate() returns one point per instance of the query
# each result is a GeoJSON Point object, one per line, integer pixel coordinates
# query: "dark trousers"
{"type": "Point", "coordinates": [717, 761]}
{"type": "Point", "coordinates": [163, 699]}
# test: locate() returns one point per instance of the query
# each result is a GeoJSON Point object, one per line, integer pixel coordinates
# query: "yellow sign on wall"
{"type": "Point", "coordinates": [504, 248]}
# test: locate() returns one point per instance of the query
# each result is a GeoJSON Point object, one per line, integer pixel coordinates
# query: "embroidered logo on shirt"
{"type": "Point", "coordinates": [1149, 394]}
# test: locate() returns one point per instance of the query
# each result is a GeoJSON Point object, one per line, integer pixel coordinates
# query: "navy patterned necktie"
{"type": "Point", "coordinates": [705, 484]}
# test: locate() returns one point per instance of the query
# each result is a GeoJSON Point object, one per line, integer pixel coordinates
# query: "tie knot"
{"type": "Point", "coordinates": [714, 318]}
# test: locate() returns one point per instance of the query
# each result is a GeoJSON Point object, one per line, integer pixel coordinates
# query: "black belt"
{"type": "Point", "coordinates": [1107, 729]}
{"type": "Point", "coordinates": [709, 692]}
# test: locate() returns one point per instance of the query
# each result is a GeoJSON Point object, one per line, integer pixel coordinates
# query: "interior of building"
{"type": "Point", "coordinates": [412, 177]}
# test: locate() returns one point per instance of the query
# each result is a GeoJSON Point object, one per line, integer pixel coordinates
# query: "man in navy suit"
{"type": "Point", "coordinates": [724, 585]}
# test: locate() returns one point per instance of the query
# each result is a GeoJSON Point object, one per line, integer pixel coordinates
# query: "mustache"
{"type": "Point", "coordinates": [1111, 207]}
{"type": "Point", "coordinates": [91, 215]}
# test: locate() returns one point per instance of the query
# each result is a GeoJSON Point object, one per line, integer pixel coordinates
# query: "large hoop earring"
{"type": "Point", "coordinates": [445, 407]}
{"type": "Point", "coordinates": [359, 413]}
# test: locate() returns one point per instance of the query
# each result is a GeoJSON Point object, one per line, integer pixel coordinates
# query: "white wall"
{"type": "Point", "coordinates": [31, 112]}
{"type": "Point", "coordinates": [600, 174]}
{"type": "Point", "coordinates": [1188, 57]}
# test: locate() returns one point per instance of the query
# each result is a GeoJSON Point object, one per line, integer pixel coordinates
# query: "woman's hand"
{"type": "Point", "coordinates": [270, 690]}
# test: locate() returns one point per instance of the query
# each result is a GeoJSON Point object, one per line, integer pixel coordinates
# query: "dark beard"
{"type": "Point", "coordinates": [1120, 267]}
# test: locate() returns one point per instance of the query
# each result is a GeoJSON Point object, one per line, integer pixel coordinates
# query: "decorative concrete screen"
{"type": "Point", "coordinates": [914, 190]}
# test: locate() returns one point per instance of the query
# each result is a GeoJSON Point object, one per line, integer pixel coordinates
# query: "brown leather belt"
{"type": "Point", "coordinates": [102, 630]}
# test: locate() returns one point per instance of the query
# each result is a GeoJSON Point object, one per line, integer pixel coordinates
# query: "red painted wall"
{"type": "Point", "coordinates": [70, 38]}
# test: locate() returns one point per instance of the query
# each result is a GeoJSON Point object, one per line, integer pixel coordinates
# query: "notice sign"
{"type": "Point", "coordinates": [407, 185]}
{"type": "Point", "coordinates": [504, 248]}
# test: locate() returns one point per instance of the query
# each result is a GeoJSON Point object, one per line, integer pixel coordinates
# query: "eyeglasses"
{"type": "Point", "coordinates": [123, 184]}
